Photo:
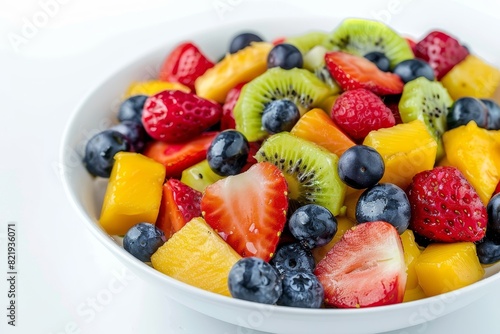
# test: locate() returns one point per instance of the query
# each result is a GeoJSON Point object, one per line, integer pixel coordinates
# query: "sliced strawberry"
{"type": "Point", "coordinates": [359, 111]}
{"type": "Point", "coordinates": [185, 64]}
{"type": "Point", "coordinates": [179, 156]}
{"type": "Point", "coordinates": [365, 268]}
{"type": "Point", "coordinates": [227, 119]}
{"type": "Point", "coordinates": [175, 116]}
{"type": "Point", "coordinates": [445, 207]}
{"type": "Point", "coordinates": [392, 102]}
{"type": "Point", "coordinates": [248, 210]}
{"type": "Point", "coordinates": [179, 204]}
{"type": "Point", "coordinates": [441, 51]}
{"type": "Point", "coordinates": [279, 40]}
{"type": "Point", "coordinates": [353, 72]}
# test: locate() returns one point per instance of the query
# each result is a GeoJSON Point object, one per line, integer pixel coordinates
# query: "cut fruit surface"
{"type": "Point", "coordinates": [153, 87]}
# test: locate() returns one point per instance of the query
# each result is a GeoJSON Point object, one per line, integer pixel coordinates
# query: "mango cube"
{"type": "Point", "coordinates": [133, 194]}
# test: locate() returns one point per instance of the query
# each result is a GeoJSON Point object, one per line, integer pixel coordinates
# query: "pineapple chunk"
{"type": "Point", "coordinates": [133, 194]}
{"type": "Point", "coordinates": [198, 256]}
{"type": "Point", "coordinates": [414, 294]}
{"type": "Point", "coordinates": [153, 87]}
{"type": "Point", "coordinates": [472, 77]}
{"type": "Point", "coordinates": [446, 267]}
{"type": "Point", "coordinates": [411, 253]}
{"type": "Point", "coordinates": [407, 149]}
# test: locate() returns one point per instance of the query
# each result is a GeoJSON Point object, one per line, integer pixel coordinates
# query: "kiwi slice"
{"type": "Point", "coordinates": [427, 101]}
{"type": "Point", "coordinates": [314, 61]}
{"type": "Point", "coordinates": [298, 85]}
{"type": "Point", "coordinates": [310, 170]}
{"type": "Point", "coordinates": [362, 36]}
{"type": "Point", "coordinates": [307, 41]}
{"type": "Point", "coordinates": [199, 176]}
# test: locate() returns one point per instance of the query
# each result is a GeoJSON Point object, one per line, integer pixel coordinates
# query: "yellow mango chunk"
{"type": "Point", "coordinates": [236, 68]}
{"type": "Point", "coordinates": [446, 267]}
{"type": "Point", "coordinates": [343, 224]}
{"type": "Point", "coordinates": [407, 149]}
{"type": "Point", "coordinates": [414, 294]}
{"type": "Point", "coordinates": [350, 201]}
{"type": "Point", "coordinates": [198, 256]}
{"type": "Point", "coordinates": [472, 77]}
{"type": "Point", "coordinates": [152, 87]}
{"type": "Point", "coordinates": [411, 253]}
{"type": "Point", "coordinates": [133, 194]}
{"type": "Point", "coordinates": [476, 153]}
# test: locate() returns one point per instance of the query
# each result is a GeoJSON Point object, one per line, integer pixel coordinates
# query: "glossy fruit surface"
{"type": "Point", "coordinates": [101, 149]}
{"type": "Point", "coordinates": [142, 240]}
{"type": "Point", "coordinates": [361, 167]}
{"type": "Point", "coordinates": [467, 109]}
{"type": "Point", "coordinates": [228, 153]}
{"type": "Point", "coordinates": [411, 69]}
{"type": "Point", "coordinates": [380, 60]}
{"type": "Point", "coordinates": [280, 115]}
{"type": "Point", "coordinates": [135, 134]}
{"type": "Point", "coordinates": [301, 289]}
{"type": "Point", "coordinates": [292, 257]}
{"type": "Point", "coordinates": [286, 56]}
{"type": "Point", "coordinates": [313, 225]}
{"type": "Point", "coordinates": [243, 40]}
{"type": "Point", "coordinates": [131, 108]}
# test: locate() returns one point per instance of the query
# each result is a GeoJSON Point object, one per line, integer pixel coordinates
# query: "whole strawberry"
{"type": "Point", "coordinates": [175, 116]}
{"type": "Point", "coordinates": [441, 51]}
{"type": "Point", "coordinates": [184, 64]}
{"type": "Point", "coordinates": [445, 207]}
{"type": "Point", "coordinates": [227, 120]}
{"type": "Point", "coordinates": [359, 111]}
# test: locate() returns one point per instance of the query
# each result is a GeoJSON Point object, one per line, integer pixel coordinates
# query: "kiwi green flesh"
{"type": "Point", "coordinates": [427, 101]}
{"type": "Point", "coordinates": [361, 36]}
{"type": "Point", "coordinates": [310, 170]}
{"type": "Point", "coordinates": [307, 41]}
{"type": "Point", "coordinates": [199, 176]}
{"type": "Point", "coordinates": [297, 85]}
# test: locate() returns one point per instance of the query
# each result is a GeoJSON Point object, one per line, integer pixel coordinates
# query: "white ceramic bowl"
{"type": "Point", "coordinates": [95, 114]}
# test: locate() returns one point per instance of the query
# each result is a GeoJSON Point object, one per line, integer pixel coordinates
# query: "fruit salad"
{"type": "Point", "coordinates": [344, 169]}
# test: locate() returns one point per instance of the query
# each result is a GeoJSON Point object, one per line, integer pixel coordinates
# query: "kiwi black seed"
{"type": "Point", "coordinates": [297, 85]}
{"type": "Point", "coordinates": [427, 101]}
{"type": "Point", "coordinates": [310, 170]}
{"type": "Point", "coordinates": [362, 36]}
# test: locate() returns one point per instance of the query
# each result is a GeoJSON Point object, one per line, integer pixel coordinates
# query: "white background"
{"type": "Point", "coordinates": [68, 283]}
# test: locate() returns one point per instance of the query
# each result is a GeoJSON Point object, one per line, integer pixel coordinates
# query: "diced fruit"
{"type": "Point", "coordinates": [317, 127]}
{"type": "Point", "coordinates": [446, 267]}
{"type": "Point", "coordinates": [243, 66]}
{"type": "Point", "coordinates": [361, 167]}
{"type": "Point", "coordinates": [228, 153]}
{"type": "Point", "coordinates": [248, 210]}
{"type": "Point", "coordinates": [343, 225]}
{"type": "Point", "coordinates": [445, 207]}
{"type": "Point", "coordinates": [351, 200]}
{"type": "Point", "coordinates": [176, 157]}
{"type": "Point", "coordinates": [441, 51]}
{"type": "Point", "coordinates": [476, 153]}
{"type": "Point", "coordinates": [152, 87]}
{"type": "Point", "coordinates": [472, 77]}
{"type": "Point", "coordinates": [179, 204]}
{"type": "Point", "coordinates": [199, 176]}
{"type": "Point", "coordinates": [312, 225]}
{"type": "Point", "coordinates": [359, 111]}
{"type": "Point", "coordinates": [406, 149]}
{"type": "Point", "coordinates": [133, 194]}
{"type": "Point", "coordinates": [414, 294]}
{"type": "Point", "coordinates": [190, 254]}
{"type": "Point", "coordinates": [353, 72]}
{"type": "Point", "coordinates": [293, 257]}
{"type": "Point", "coordinates": [142, 240]}
{"type": "Point", "coordinates": [175, 116]}
{"type": "Point", "coordinates": [184, 65]}
{"type": "Point", "coordinates": [411, 253]}
{"type": "Point", "coordinates": [365, 268]}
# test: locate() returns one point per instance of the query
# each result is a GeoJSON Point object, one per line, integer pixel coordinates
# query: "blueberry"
{"type": "Point", "coordinates": [134, 132]}
{"type": "Point", "coordinates": [411, 69]}
{"type": "Point", "coordinates": [467, 109]}
{"type": "Point", "coordinates": [243, 40]}
{"type": "Point", "coordinates": [292, 257]}
{"type": "Point", "coordinates": [253, 279]}
{"type": "Point", "coordinates": [228, 153]}
{"type": "Point", "coordinates": [280, 115]}
{"type": "Point", "coordinates": [142, 240]}
{"type": "Point", "coordinates": [361, 167]}
{"type": "Point", "coordinates": [286, 56]}
{"type": "Point", "coordinates": [493, 213]}
{"type": "Point", "coordinates": [131, 109]}
{"type": "Point", "coordinates": [493, 114]}
{"type": "Point", "coordinates": [101, 149]}
{"type": "Point", "coordinates": [378, 58]}
{"type": "Point", "coordinates": [488, 251]}
{"type": "Point", "coordinates": [301, 289]}
{"type": "Point", "coordinates": [384, 202]}
{"type": "Point", "coordinates": [313, 225]}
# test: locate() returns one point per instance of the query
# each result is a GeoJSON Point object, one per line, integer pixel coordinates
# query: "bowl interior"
{"type": "Point", "coordinates": [98, 112]}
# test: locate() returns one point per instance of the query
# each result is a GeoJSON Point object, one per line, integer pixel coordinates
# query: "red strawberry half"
{"type": "Point", "coordinates": [175, 116]}
{"type": "Point", "coordinates": [185, 64]}
{"type": "Point", "coordinates": [179, 204]}
{"type": "Point", "coordinates": [359, 111]}
{"type": "Point", "coordinates": [445, 207]}
{"type": "Point", "coordinates": [353, 72]}
{"type": "Point", "coordinates": [365, 268]}
{"type": "Point", "coordinates": [178, 156]}
{"type": "Point", "coordinates": [227, 121]}
{"type": "Point", "coordinates": [441, 51]}
{"type": "Point", "coordinates": [248, 210]}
